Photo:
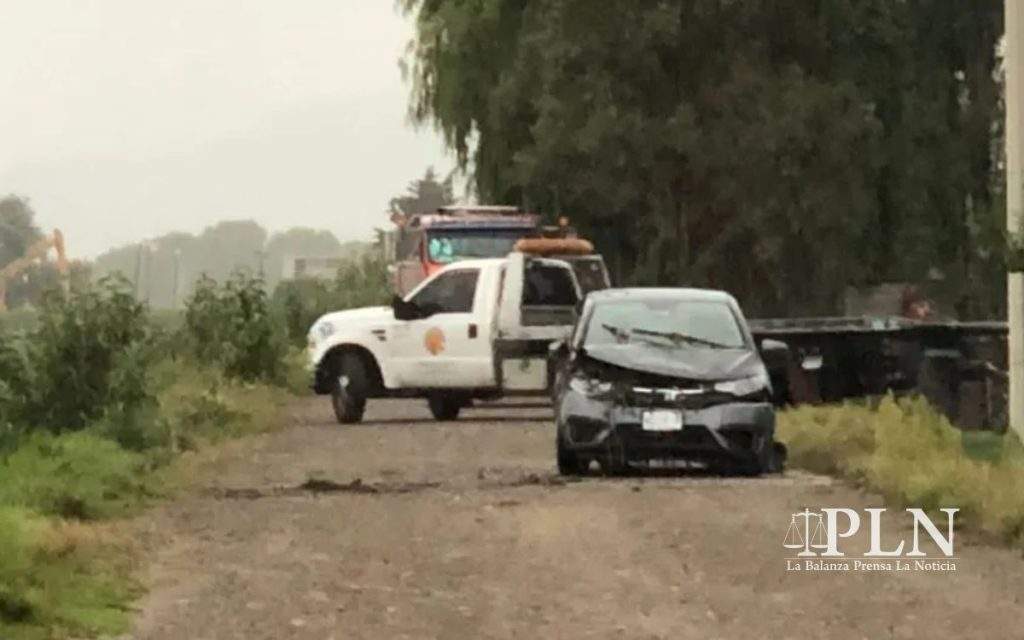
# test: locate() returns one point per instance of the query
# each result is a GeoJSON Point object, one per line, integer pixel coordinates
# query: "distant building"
{"type": "Point", "coordinates": [318, 267]}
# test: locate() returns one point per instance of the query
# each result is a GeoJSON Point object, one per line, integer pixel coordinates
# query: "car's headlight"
{"type": "Point", "coordinates": [322, 330]}
{"type": "Point", "coordinates": [742, 387]}
{"type": "Point", "coordinates": [590, 387]}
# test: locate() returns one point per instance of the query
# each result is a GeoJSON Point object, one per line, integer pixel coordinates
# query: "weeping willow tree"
{"type": "Point", "coordinates": [781, 151]}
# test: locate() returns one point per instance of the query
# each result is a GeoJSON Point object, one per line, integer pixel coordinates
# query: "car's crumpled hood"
{"type": "Point", "coordinates": [694, 363]}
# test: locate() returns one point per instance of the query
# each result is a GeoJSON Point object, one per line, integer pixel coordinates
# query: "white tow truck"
{"type": "Point", "coordinates": [476, 329]}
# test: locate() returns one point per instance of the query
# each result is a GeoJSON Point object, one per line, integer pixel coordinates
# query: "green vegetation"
{"type": "Point", "coordinates": [97, 400]}
{"type": "Point", "coordinates": [829, 143]}
{"type": "Point", "coordinates": [361, 283]}
{"type": "Point", "coordinates": [231, 325]}
{"type": "Point", "coordinates": [912, 456]}
{"type": "Point", "coordinates": [59, 578]}
{"type": "Point", "coordinates": [80, 476]}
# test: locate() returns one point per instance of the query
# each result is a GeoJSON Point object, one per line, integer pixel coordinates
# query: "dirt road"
{"type": "Point", "coordinates": [407, 528]}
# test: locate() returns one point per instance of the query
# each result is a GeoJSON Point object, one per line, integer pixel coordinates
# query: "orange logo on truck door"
{"type": "Point", "coordinates": [434, 341]}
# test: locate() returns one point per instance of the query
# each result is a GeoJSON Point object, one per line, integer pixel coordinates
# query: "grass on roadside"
{"type": "Point", "coordinates": [909, 453]}
{"type": "Point", "coordinates": [64, 569]}
{"type": "Point", "coordinates": [79, 476]}
{"type": "Point", "coordinates": [61, 578]}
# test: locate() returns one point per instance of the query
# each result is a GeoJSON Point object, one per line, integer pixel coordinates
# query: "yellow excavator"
{"type": "Point", "coordinates": [35, 252]}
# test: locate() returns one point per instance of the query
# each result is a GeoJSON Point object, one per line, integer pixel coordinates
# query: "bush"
{"type": "Point", "coordinates": [94, 401]}
{"type": "Point", "coordinates": [15, 389]}
{"type": "Point", "coordinates": [81, 476]}
{"type": "Point", "coordinates": [87, 356]}
{"type": "Point", "coordinates": [60, 579]}
{"type": "Point", "coordinates": [909, 452]}
{"type": "Point", "coordinates": [358, 283]}
{"type": "Point", "coordinates": [17, 530]}
{"type": "Point", "coordinates": [231, 325]}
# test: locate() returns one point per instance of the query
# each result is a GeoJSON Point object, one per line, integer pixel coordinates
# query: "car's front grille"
{"type": "Point", "coordinates": [693, 436]}
{"type": "Point", "coordinates": [685, 397]}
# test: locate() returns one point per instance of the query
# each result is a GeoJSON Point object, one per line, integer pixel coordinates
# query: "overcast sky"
{"type": "Point", "coordinates": [126, 119]}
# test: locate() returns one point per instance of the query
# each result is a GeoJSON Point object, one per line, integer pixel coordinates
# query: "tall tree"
{"type": "Point", "coordinates": [18, 228]}
{"type": "Point", "coordinates": [423, 195]}
{"type": "Point", "coordinates": [779, 151]}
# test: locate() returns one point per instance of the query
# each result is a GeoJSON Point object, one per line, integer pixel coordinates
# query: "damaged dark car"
{"type": "Point", "coordinates": [663, 377]}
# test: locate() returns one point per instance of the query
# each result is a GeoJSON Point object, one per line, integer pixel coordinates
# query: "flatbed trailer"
{"type": "Point", "coordinates": [959, 366]}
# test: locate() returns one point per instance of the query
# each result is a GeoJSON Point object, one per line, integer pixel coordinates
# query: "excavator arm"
{"type": "Point", "coordinates": [36, 251]}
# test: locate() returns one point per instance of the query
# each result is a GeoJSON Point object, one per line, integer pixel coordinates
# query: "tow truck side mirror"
{"type": "Point", "coordinates": [558, 350]}
{"type": "Point", "coordinates": [404, 310]}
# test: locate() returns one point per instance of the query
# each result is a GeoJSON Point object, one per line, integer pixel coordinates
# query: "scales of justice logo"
{"type": "Point", "coordinates": [804, 535]}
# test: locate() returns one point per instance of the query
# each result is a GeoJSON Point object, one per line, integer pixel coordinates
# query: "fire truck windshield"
{"type": "Point", "coordinates": [450, 245]}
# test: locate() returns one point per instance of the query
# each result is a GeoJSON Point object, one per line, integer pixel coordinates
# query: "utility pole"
{"type": "Point", "coordinates": [1014, 68]}
{"type": "Point", "coordinates": [138, 272]}
{"type": "Point", "coordinates": [260, 266]}
{"type": "Point", "coordinates": [177, 277]}
{"type": "Point", "coordinates": [149, 272]}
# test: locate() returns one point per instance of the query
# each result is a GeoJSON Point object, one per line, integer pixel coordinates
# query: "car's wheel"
{"type": "Point", "coordinates": [569, 464]}
{"type": "Point", "coordinates": [445, 407]}
{"type": "Point", "coordinates": [764, 462]}
{"type": "Point", "coordinates": [350, 389]}
{"type": "Point", "coordinates": [779, 455]}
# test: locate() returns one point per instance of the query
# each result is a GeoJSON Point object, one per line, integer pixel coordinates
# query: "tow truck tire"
{"type": "Point", "coordinates": [444, 407]}
{"type": "Point", "coordinates": [569, 464]}
{"type": "Point", "coordinates": [349, 395]}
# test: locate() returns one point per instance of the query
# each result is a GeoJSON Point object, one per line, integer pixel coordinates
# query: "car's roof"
{"type": "Point", "coordinates": [675, 293]}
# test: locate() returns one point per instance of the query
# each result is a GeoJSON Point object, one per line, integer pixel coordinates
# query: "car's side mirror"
{"type": "Point", "coordinates": [775, 355]}
{"type": "Point", "coordinates": [404, 310]}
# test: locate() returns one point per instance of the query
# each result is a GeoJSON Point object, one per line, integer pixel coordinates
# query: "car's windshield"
{"type": "Point", "coordinates": [452, 245]}
{"type": "Point", "coordinates": [668, 322]}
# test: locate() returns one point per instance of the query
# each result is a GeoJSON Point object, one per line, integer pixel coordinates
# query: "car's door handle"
{"type": "Point", "coordinates": [472, 330]}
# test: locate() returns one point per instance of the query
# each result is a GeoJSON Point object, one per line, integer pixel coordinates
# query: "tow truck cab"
{"type": "Point", "coordinates": [475, 329]}
{"type": "Point", "coordinates": [588, 266]}
{"type": "Point", "coordinates": [424, 243]}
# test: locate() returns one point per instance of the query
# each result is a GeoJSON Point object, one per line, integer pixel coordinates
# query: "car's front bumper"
{"type": "Point", "coordinates": [729, 432]}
